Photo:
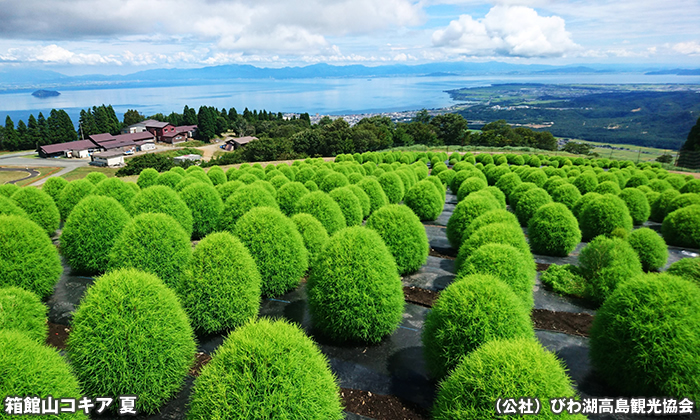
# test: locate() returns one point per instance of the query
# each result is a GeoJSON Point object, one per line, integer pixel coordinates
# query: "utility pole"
{"type": "Point", "coordinates": [639, 154]}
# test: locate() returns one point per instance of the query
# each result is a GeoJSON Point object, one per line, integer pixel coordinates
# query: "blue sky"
{"type": "Point", "coordinates": [123, 36]}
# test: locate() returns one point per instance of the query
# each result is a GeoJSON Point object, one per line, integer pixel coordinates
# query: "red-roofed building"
{"type": "Point", "coordinates": [160, 129]}
{"type": "Point", "coordinates": [80, 148]}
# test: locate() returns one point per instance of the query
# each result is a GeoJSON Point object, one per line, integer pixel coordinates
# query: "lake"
{"type": "Point", "coordinates": [325, 96]}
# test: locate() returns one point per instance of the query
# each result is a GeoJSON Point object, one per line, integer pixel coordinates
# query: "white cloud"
{"type": "Point", "coordinates": [517, 31]}
{"type": "Point", "coordinates": [54, 54]}
{"type": "Point", "coordinates": [688, 48]}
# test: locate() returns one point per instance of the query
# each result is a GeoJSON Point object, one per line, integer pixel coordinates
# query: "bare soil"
{"type": "Point", "coordinates": [566, 322]}
{"type": "Point", "coordinates": [418, 296]}
{"type": "Point", "coordinates": [385, 407]}
{"type": "Point", "coordinates": [58, 334]}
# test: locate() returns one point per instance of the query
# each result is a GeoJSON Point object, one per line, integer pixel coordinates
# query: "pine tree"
{"type": "Point", "coordinates": [23, 140]}
{"type": "Point", "coordinates": [10, 135]}
{"type": "Point", "coordinates": [87, 125]}
{"type": "Point", "coordinates": [33, 131]}
{"type": "Point", "coordinates": [43, 130]}
{"type": "Point", "coordinates": [689, 156]}
{"type": "Point", "coordinates": [190, 116]}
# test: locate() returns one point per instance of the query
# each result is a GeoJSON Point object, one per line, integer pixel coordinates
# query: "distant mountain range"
{"type": "Point", "coordinates": [28, 79]}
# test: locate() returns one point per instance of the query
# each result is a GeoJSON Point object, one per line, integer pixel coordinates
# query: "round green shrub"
{"type": "Point", "coordinates": [288, 195]}
{"type": "Point", "coordinates": [8, 207]}
{"type": "Point", "coordinates": [680, 201]}
{"type": "Point", "coordinates": [267, 369]}
{"type": "Point", "coordinates": [147, 178]}
{"type": "Point", "coordinates": [375, 192]}
{"type": "Point", "coordinates": [227, 189]}
{"type": "Point", "coordinates": [645, 339]}
{"type": "Point", "coordinates": [553, 182]}
{"type": "Point", "coordinates": [217, 175]}
{"type": "Point", "coordinates": [537, 177]}
{"type": "Point", "coordinates": [470, 312]}
{"type": "Point", "coordinates": [248, 178]}
{"type": "Point", "coordinates": [506, 263]}
{"type": "Point", "coordinates": [446, 176]}
{"type": "Point", "coordinates": [565, 279]}
{"type": "Point", "coordinates": [90, 232]}
{"type": "Point", "coordinates": [469, 186]}
{"type": "Point", "coordinates": [276, 246]}
{"type": "Point", "coordinates": [161, 199]}
{"type": "Point", "coordinates": [333, 180]}
{"type": "Point", "coordinates": [408, 177]}
{"type": "Point", "coordinates": [688, 268]}
{"type": "Point", "coordinates": [349, 205]}
{"type": "Point", "coordinates": [692, 186]}
{"type": "Point", "coordinates": [72, 194]}
{"type": "Point", "coordinates": [508, 182]}
{"type": "Point", "coordinates": [311, 185]}
{"type": "Point", "coordinates": [495, 193]}
{"type": "Point", "coordinates": [583, 202]}
{"type": "Point", "coordinates": [518, 192]}
{"type": "Point", "coordinates": [312, 232]}
{"type": "Point", "coordinates": [154, 243]}
{"type": "Point", "coordinates": [33, 369]}
{"type": "Point", "coordinates": [22, 311]}
{"type": "Point", "coordinates": [117, 189]}
{"type": "Point", "coordinates": [169, 179]}
{"type": "Point", "coordinates": [499, 368]}
{"type": "Point", "coordinates": [403, 234]}
{"type": "Point", "coordinates": [608, 187]}
{"type": "Point", "coordinates": [205, 204]}
{"type": "Point", "coordinates": [637, 180]}
{"type": "Point", "coordinates": [659, 185]}
{"type": "Point", "coordinates": [494, 233]}
{"type": "Point", "coordinates": [682, 227]}
{"type": "Point", "coordinates": [650, 247]}
{"type": "Point", "coordinates": [243, 200]}
{"type": "Point", "coordinates": [354, 289]}
{"type": "Point", "coordinates": [221, 290]}
{"type": "Point", "coordinates": [606, 263]}
{"type": "Point", "coordinates": [491, 216]}
{"type": "Point", "coordinates": [279, 180]}
{"type": "Point", "coordinates": [425, 200]}
{"type": "Point", "coordinates": [96, 177]}
{"type": "Point", "coordinates": [28, 258]}
{"type": "Point", "coordinates": [53, 187]}
{"type": "Point", "coordinates": [553, 230]}
{"type": "Point", "coordinates": [566, 194]}
{"type": "Point", "coordinates": [362, 197]}
{"type": "Point", "coordinates": [637, 205]}
{"type": "Point", "coordinates": [461, 176]}
{"type": "Point", "coordinates": [603, 215]}
{"type": "Point", "coordinates": [39, 207]}
{"type": "Point", "coordinates": [439, 185]}
{"type": "Point", "coordinates": [586, 182]}
{"type": "Point", "coordinates": [464, 213]}
{"type": "Point", "coordinates": [151, 344]}
{"type": "Point", "coordinates": [392, 186]}
{"type": "Point", "coordinates": [6, 190]}
{"type": "Point", "coordinates": [529, 202]}
{"type": "Point", "coordinates": [324, 208]}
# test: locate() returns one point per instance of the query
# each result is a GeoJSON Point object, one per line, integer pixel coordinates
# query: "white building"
{"type": "Point", "coordinates": [110, 159]}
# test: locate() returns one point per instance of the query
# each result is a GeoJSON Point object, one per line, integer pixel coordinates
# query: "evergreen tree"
{"type": "Point", "coordinates": [114, 125]}
{"type": "Point", "coordinates": [132, 116]}
{"type": "Point", "coordinates": [190, 116]}
{"type": "Point", "coordinates": [23, 141]}
{"type": "Point", "coordinates": [33, 131]}
{"type": "Point", "coordinates": [87, 125]}
{"type": "Point", "coordinates": [206, 123]}
{"type": "Point", "coordinates": [10, 135]}
{"type": "Point", "coordinates": [43, 130]}
{"type": "Point", "coordinates": [175, 119]}
{"type": "Point", "coordinates": [689, 156]}
{"type": "Point", "coordinates": [232, 115]}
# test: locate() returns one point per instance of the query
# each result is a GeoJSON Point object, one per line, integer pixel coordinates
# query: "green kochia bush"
{"type": "Point", "coordinates": [650, 247]}
{"type": "Point", "coordinates": [169, 179]}
{"type": "Point", "coordinates": [425, 200]}
{"type": "Point", "coordinates": [682, 227]}
{"type": "Point", "coordinates": [9, 207]}
{"type": "Point", "coordinates": [495, 233]}
{"type": "Point", "coordinates": [565, 279]}
{"type": "Point", "coordinates": [553, 230]}
{"type": "Point", "coordinates": [508, 182]}
{"type": "Point", "coordinates": [499, 368]}
{"type": "Point", "coordinates": [364, 199]}
{"type": "Point", "coordinates": [161, 199]}
{"type": "Point", "coordinates": [276, 246]}
{"type": "Point", "coordinates": [312, 231]}
{"type": "Point", "coordinates": [375, 192]}
{"type": "Point", "coordinates": [324, 208]}
{"type": "Point", "coordinates": [90, 232]}
{"type": "Point", "coordinates": [53, 187]}
{"type": "Point", "coordinates": [469, 186]}
{"type": "Point", "coordinates": [22, 311]}
{"type": "Point", "coordinates": [529, 202]}
{"type": "Point", "coordinates": [147, 178]}
{"type": "Point", "coordinates": [221, 290]}
{"type": "Point", "coordinates": [355, 292]}
{"type": "Point", "coordinates": [264, 370]}
{"type": "Point", "coordinates": [96, 177]}
{"type": "Point", "coordinates": [403, 234]}
{"type": "Point", "coordinates": [130, 336]}
{"type": "Point", "coordinates": [332, 181]}
{"type": "Point", "coordinates": [393, 187]}
{"type": "Point", "coordinates": [154, 243]}
{"type": "Point", "coordinates": [470, 312]}
{"type": "Point", "coordinates": [645, 339]}
{"type": "Point", "coordinates": [606, 263]}
{"type": "Point", "coordinates": [464, 213]}
{"type": "Point", "coordinates": [117, 189]}
{"type": "Point", "coordinates": [32, 369]}
{"type": "Point", "coordinates": [28, 259]}
{"type": "Point", "coordinates": [217, 175]}
{"type": "Point", "coordinates": [506, 263]}
{"type": "Point", "coordinates": [688, 268]}
{"type": "Point", "coordinates": [637, 205]}
{"type": "Point", "coordinates": [228, 188]}
{"type": "Point", "coordinates": [659, 207]}
{"type": "Point", "coordinates": [241, 201]}
{"type": "Point", "coordinates": [491, 216]}
{"type": "Point", "coordinates": [205, 204]}
{"type": "Point", "coordinates": [288, 195]}
{"type": "Point", "coordinates": [349, 204]}
{"type": "Point", "coordinates": [39, 207]}
{"type": "Point", "coordinates": [603, 215]}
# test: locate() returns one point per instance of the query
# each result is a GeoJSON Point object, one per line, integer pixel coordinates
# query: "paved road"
{"type": "Point", "coordinates": [32, 173]}
{"type": "Point", "coordinates": [20, 160]}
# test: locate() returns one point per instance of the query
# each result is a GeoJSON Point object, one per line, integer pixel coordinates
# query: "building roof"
{"type": "Point", "coordinates": [143, 135]}
{"type": "Point", "coordinates": [71, 145]}
{"type": "Point", "coordinates": [243, 140]}
{"type": "Point", "coordinates": [184, 128]}
{"type": "Point", "coordinates": [116, 144]}
{"type": "Point", "coordinates": [101, 138]}
{"type": "Point", "coordinates": [156, 124]}
{"type": "Point", "coordinates": [107, 155]}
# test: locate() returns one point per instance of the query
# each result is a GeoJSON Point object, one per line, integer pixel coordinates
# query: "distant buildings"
{"type": "Point", "coordinates": [237, 143]}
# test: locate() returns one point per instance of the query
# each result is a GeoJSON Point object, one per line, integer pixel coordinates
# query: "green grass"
{"type": "Point", "coordinates": [82, 172]}
{"type": "Point", "coordinates": [44, 171]}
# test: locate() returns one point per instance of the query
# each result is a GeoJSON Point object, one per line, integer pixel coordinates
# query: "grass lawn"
{"type": "Point", "coordinates": [6, 177]}
{"type": "Point", "coordinates": [44, 171]}
{"type": "Point", "coordinates": [82, 172]}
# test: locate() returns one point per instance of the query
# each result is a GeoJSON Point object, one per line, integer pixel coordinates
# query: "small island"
{"type": "Point", "coordinates": [45, 93]}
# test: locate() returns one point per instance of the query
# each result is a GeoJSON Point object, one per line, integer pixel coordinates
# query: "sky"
{"type": "Point", "coordinates": [124, 36]}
